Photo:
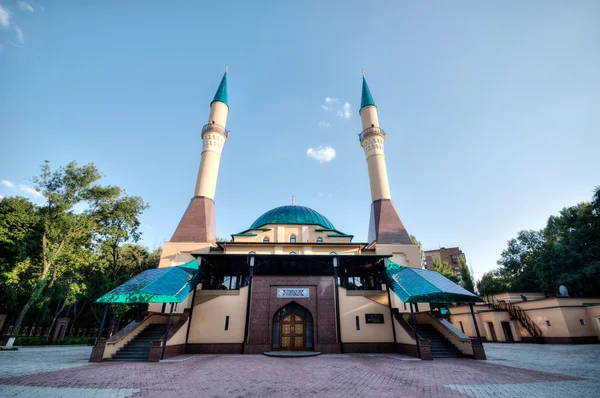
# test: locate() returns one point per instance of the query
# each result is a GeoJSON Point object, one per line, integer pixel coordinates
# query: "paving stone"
{"type": "Point", "coordinates": [514, 371]}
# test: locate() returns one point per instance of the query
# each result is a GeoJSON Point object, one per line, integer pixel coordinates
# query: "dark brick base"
{"type": "Point", "coordinates": [328, 348]}
{"type": "Point", "coordinates": [174, 350]}
{"type": "Point", "coordinates": [234, 348]}
{"type": "Point", "coordinates": [478, 351]}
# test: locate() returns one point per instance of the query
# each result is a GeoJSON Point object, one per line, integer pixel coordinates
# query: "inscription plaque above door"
{"type": "Point", "coordinates": [293, 292]}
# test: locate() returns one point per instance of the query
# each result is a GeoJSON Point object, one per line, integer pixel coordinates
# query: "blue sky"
{"type": "Point", "coordinates": [491, 108]}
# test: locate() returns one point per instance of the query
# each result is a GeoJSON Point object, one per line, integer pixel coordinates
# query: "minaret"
{"type": "Point", "coordinates": [198, 223]}
{"type": "Point", "coordinates": [385, 225]}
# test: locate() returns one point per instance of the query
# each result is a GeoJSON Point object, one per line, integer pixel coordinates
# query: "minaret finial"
{"type": "Point", "coordinates": [363, 73]}
{"type": "Point", "coordinates": [227, 68]}
{"type": "Point", "coordinates": [293, 204]}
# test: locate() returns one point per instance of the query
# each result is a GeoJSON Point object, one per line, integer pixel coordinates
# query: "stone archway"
{"type": "Point", "coordinates": [292, 329]}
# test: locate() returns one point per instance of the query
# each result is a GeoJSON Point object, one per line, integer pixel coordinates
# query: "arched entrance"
{"type": "Point", "coordinates": [293, 328]}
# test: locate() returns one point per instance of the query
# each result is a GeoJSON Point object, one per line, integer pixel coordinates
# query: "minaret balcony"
{"type": "Point", "coordinates": [213, 127]}
{"type": "Point", "coordinates": [371, 131]}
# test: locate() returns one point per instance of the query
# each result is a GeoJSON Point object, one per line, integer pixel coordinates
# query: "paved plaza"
{"type": "Point", "coordinates": [512, 371]}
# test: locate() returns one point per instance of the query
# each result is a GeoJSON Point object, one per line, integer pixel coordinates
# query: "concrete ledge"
{"type": "Point", "coordinates": [366, 293]}
{"type": "Point", "coordinates": [217, 293]}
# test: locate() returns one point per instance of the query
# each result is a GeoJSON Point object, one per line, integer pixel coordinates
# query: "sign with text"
{"type": "Point", "coordinates": [293, 292]}
{"type": "Point", "coordinates": [374, 318]}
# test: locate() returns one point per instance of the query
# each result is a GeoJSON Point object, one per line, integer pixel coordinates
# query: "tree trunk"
{"type": "Point", "coordinates": [59, 309]}
{"type": "Point", "coordinates": [39, 288]}
{"type": "Point", "coordinates": [76, 315]}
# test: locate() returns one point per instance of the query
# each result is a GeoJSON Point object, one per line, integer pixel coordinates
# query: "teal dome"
{"type": "Point", "coordinates": [292, 215]}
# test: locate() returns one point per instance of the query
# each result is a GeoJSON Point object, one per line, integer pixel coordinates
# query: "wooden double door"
{"type": "Point", "coordinates": [292, 332]}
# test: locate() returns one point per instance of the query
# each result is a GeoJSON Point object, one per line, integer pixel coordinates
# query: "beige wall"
{"type": "Point", "coordinates": [484, 315]}
{"type": "Point", "coordinates": [353, 306]}
{"type": "Point", "coordinates": [208, 320]}
{"type": "Point", "coordinates": [378, 178]}
{"type": "Point", "coordinates": [594, 317]}
{"type": "Point", "coordinates": [281, 233]}
{"type": "Point", "coordinates": [405, 255]}
{"type": "Point", "coordinates": [369, 116]}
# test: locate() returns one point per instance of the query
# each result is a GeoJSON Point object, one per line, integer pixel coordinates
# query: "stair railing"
{"type": "Point", "coordinates": [516, 312]}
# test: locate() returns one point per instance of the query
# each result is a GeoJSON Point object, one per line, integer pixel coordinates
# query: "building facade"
{"type": "Point", "coordinates": [450, 255]}
{"type": "Point", "coordinates": [291, 281]}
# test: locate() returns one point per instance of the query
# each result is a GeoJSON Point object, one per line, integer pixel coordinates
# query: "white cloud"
{"type": "Point", "coordinates": [323, 123]}
{"type": "Point", "coordinates": [19, 33]}
{"type": "Point", "coordinates": [23, 6]}
{"type": "Point", "coordinates": [323, 154]}
{"type": "Point", "coordinates": [1, 197]}
{"type": "Point", "coordinates": [328, 103]}
{"type": "Point", "coordinates": [346, 111]}
{"type": "Point", "coordinates": [4, 17]}
{"type": "Point", "coordinates": [30, 191]}
{"type": "Point", "coordinates": [8, 184]}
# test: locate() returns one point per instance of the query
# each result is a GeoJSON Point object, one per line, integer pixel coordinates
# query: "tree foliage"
{"type": "Point", "coordinates": [566, 252]}
{"type": "Point", "coordinates": [442, 267]}
{"type": "Point", "coordinates": [61, 256]}
{"type": "Point", "coordinates": [466, 279]}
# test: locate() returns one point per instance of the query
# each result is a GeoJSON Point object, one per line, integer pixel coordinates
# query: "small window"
{"type": "Point", "coordinates": [227, 322]}
{"type": "Point", "coordinates": [462, 328]}
{"type": "Point", "coordinates": [357, 323]}
{"type": "Point", "coordinates": [292, 253]}
{"type": "Point", "coordinates": [548, 323]}
{"type": "Point", "coordinates": [266, 240]}
{"type": "Point", "coordinates": [293, 239]}
{"type": "Point", "coordinates": [319, 240]}
{"type": "Point", "coordinates": [582, 322]}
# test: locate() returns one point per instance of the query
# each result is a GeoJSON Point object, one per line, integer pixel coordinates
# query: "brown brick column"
{"type": "Point", "coordinates": [155, 351]}
{"type": "Point", "coordinates": [98, 351]}
{"type": "Point", "coordinates": [425, 350]}
{"type": "Point", "coordinates": [478, 351]}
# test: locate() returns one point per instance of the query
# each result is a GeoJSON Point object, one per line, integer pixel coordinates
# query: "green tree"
{"type": "Point", "coordinates": [496, 281]}
{"type": "Point", "coordinates": [521, 259]}
{"type": "Point", "coordinates": [420, 246]}
{"type": "Point", "coordinates": [442, 267]}
{"type": "Point", "coordinates": [466, 279]}
{"type": "Point", "coordinates": [63, 230]}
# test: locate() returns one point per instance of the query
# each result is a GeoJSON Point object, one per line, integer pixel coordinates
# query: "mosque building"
{"type": "Point", "coordinates": [290, 283]}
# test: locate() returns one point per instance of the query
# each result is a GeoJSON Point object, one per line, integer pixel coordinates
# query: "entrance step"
{"type": "Point", "coordinates": [138, 349]}
{"type": "Point", "coordinates": [440, 346]}
{"type": "Point", "coordinates": [291, 354]}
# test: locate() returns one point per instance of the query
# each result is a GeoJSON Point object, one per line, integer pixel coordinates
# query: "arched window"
{"type": "Point", "coordinates": [292, 253]}
{"type": "Point", "coordinates": [266, 239]}
{"type": "Point", "coordinates": [333, 254]}
{"type": "Point", "coordinates": [319, 239]}
{"type": "Point", "coordinates": [293, 238]}
{"type": "Point", "coordinates": [251, 253]}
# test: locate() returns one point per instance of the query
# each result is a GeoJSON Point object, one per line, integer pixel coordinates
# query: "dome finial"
{"type": "Point", "coordinates": [226, 68]}
{"type": "Point", "coordinates": [363, 72]}
{"type": "Point", "coordinates": [293, 204]}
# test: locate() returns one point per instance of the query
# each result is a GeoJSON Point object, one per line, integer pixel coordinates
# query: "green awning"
{"type": "Point", "coordinates": [415, 285]}
{"type": "Point", "coordinates": [159, 285]}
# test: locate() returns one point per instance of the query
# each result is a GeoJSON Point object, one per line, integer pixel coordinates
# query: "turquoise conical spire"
{"type": "Point", "coordinates": [221, 94]}
{"type": "Point", "coordinates": [367, 98]}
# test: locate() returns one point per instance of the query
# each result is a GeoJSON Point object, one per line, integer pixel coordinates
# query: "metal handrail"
{"type": "Point", "coordinates": [217, 128]}
{"type": "Point", "coordinates": [371, 131]}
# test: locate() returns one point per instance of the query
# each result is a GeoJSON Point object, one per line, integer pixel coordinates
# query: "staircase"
{"type": "Point", "coordinates": [516, 313]}
{"type": "Point", "coordinates": [440, 346]}
{"type": "Point", "coordinates": [138, 349]}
